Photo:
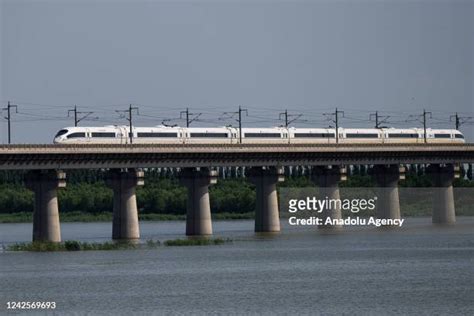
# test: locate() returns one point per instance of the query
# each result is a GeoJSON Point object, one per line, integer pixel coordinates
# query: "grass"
{"type": "Point", "coordinates": [73, 245]}
{"type": "Point", "coordinates": [414, 210]}
{"type": "Point", "coordinates": [27, 217]}
{"type": "Point", "coordinates": [196, 242]}
{"type": "Point", "coordinates": [70, 245]}
{"type": "Point", "coordinates": [22, 217]}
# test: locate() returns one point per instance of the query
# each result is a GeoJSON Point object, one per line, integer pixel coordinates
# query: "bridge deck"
{"type": "Point", "coordinates": [29, 156]}
{"type": "Point", "coordinates": [67, 148]}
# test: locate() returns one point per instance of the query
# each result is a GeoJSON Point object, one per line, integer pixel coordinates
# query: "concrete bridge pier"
{"type": "Point", "coordinates": [125, 213]}
{"type": "Point", "coordinates": [327, 179]}
{"type": "Point", "coordinates": [388, 201]}
{"type": "Point", "coordinates": [442, 177]}
{"type": "Point", "coordinates": [44, 184]}
{"type": "Point", "coordinates": [267, 217]}
{"type": "Point", "coordinates": [198, 214]}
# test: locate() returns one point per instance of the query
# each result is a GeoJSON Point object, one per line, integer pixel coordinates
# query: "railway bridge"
{"type": "Point", "coordinates": [47, 166]}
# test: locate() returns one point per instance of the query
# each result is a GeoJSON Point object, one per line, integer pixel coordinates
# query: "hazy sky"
{"type": "Point", "coordinates": [397, 57]}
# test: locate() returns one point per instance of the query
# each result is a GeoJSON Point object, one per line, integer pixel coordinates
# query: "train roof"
{"type": "Point", "coordinates": [262, 129]}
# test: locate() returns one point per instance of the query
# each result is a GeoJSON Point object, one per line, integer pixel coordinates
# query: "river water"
{"type": "Point", "coordinates": [418, 269]}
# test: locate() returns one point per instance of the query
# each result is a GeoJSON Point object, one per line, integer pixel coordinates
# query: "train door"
{"type": "Point", "coordinates": [88, 136]}
{"type": "Point", "coordinates": [182, 135]}
{"type": "Point", "coordinates": [383, 135]}
{"type": "Point", "coordinates": [122, 135]}
{"type": "Point", "coordinates": [233, 139]}
{"type": "Point", "coordinates": [286, 135]}
{"type": "Point", "coordinates": [341, 136]}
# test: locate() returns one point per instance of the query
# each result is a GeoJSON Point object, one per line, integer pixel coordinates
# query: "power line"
{"type": "Point", "coordinates": [188, 120]}
{"type": "Point", "coordinates": [164, 123]}
{"type": "Point", "coordinates": [287, 117]}
{"type": "Point", "coordinates": [9, 118]}
{"type": "Point", "coordinates": [76, 118]}
{"type": "Point", "coordinates": [460, 120]}
{"type": "Point", "coordinates": [379, 119]}
{"type": "Point", "coordinates": [49, 117]}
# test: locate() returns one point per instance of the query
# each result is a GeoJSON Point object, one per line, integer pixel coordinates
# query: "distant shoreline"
{"type": "Point", "coordinates": [82, 217]}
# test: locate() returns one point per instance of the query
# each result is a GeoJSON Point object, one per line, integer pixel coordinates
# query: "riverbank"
{"type": "Point", "coordinates": [74, 245]}
{"type": "Point", "coordinates": [27, 217]}
{"type": "Point", "coordinates": [420, 210]}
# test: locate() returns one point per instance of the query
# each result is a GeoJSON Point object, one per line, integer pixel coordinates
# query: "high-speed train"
{"type": "Point", "coordinates": [230, 135]}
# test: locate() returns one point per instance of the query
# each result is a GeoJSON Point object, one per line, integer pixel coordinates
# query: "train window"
{"type": "Point", "coordinates": [103, 134]}
{"type": "Point", "coordinates": [400, 135]}
{"type": "Point", "coordinates": [161, 135]}
{"type": "Point", "coordinates": [361, 135]}
{"type": "Point", "coordinates": [442, 135]}
{"type": "Point", "coordinates": [263, 135]}
{"type": "Point", "coordinates": [314, 135]}
{"type": "Point", "coordinates": [210, 135]}
{"type": "Point", "coordinates": [459, 136]}
{"type": "Point", "coordinates": [61, 132]}
{"type": "Point", "coordinates": [76, 135]}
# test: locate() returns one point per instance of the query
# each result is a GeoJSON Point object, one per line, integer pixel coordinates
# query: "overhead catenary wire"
{"type": "Point", "coordinates": [30, 112]}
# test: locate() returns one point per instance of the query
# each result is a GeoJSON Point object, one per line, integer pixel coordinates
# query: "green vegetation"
{"type": "Point", "coordinates": [160, 195]}
{"type": "Point", "coordinates": [196, 242]}
{"type": "Point", "coordinates": [73, 245]}
{"type": "Point", "coordinates": [24, 217]}
{"type": "Point", "coordinates": [86, 198]}
{"type": "Point", "coordinates": [70, 245]}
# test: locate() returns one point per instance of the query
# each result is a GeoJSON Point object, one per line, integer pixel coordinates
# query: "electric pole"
{"type": "Point", "coordinates": [75, 115]}
{"type": "Point", "coordinates": [458, 120]}
{"type": "Point", "coordinates": [130, 119]}
{"type": "Point", "coordinates": [130, 111]}
{"type": "Point", "coordinates": [379, 119]}
{"type": "Point", "coordinates": [187, 116]}
{"type": "Point", "coordinates": [287, 116]}
{"type": "Point", "coordinates": [335, 120]}
{"type": "Point", "coordinates": [240, 122]}
{"type": "Point", "coordinates": [9, 118]}
{"type": "Point", "coordinates": [227, 115]}
{"type": "Point", "coordinates": [76, 112]}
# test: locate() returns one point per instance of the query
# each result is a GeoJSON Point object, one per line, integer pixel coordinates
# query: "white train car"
{"type": "Point", "coordinates": [360, 136]}
{"type": "Point", "coordinates": [152, 135]}
{"type": "Point", "coordinates": [209, 135]}
{"type": "Point", "coordinates": [442, 135]}
{"type": "Point", "coordinates": [230, 135]}
{"type": "Point", "coordinates": [91, 135]}
{"type": "Point", "coordinates": [417, 136]}
{"type": "Point", "coordinates": [312, 135]}
{"type": "Point", "coordinates": [276, 135]}
{"type": "Point", "coordinates": [403, 135]}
